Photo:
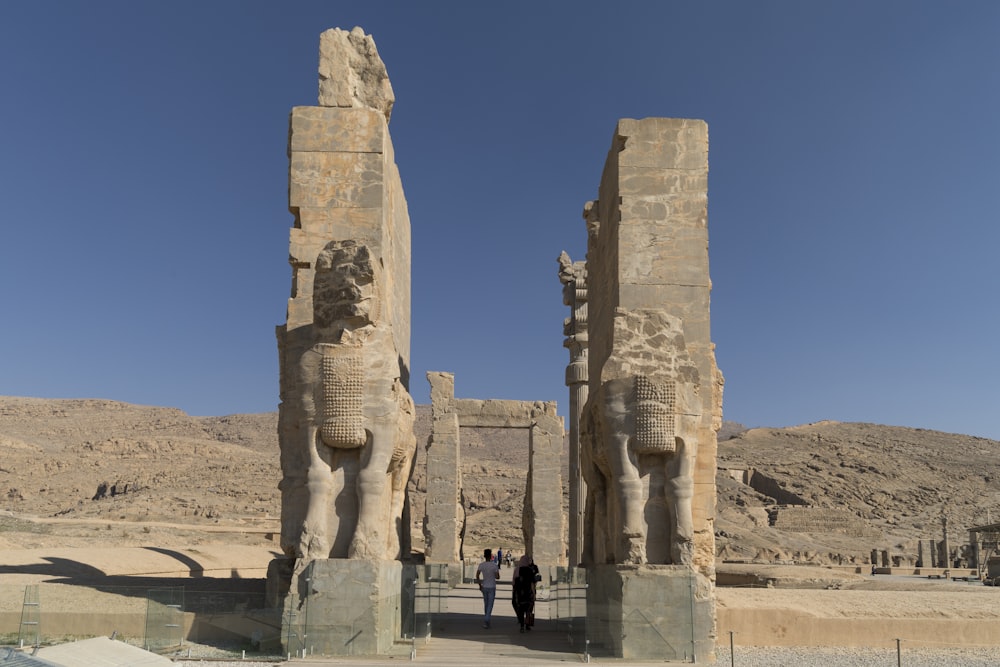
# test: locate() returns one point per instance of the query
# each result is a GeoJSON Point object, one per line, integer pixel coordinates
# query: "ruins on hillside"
{"type": "Point", "coordinates": [654, 405]}
{"type": "Point", "coordinates": [346, 415]}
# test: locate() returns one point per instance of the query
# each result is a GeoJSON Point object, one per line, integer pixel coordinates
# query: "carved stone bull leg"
{"type": "Point", "coordinates": [314, 541]}
{"type": "Point", "coordinates": [595, 530]}
{"type": "Point", "coordinates": [680, 490]}
{"type": "Point", "coordinates": [400, 468]}
{"type": "Point", "coordinates": [399, 476]}
{"type": "Point", "coordinates": [625, 480]}
{"type": "Point", "coordinates": [603, 506]}
{"type": "Point", "coordinates": [370, 534]}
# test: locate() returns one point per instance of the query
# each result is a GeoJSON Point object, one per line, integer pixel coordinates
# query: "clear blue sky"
{"type": "Point", "coordinates": [853, 198]}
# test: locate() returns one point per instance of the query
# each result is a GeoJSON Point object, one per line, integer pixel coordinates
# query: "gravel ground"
{"type": "Point", "coordinates": [756, 656]}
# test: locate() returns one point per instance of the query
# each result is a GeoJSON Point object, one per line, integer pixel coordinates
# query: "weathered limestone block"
{"type": "Point", "coordinates": [321, 129]}
{"type": "Point", "coordinates": [353, 606]}
{"type": "Point", "coordinates": [497, 413]}
{"type": "Point", "coordinates": [351, 73]}
{"type": "Point", "coordinates": [335, 180]}
{"type": "Point", "coordinates": [650, 612]}
{"type": "Point", "coordinates": [664, 143]}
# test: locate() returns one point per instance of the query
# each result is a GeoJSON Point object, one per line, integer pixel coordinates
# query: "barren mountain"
{"type": "Point", "coordinates": [824, 492]}
{"type": "Point", "coordinates": [843, 489]}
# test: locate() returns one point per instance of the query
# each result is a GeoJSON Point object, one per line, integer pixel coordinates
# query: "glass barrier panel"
{"type": "Point", "coordinates": [164, 619]}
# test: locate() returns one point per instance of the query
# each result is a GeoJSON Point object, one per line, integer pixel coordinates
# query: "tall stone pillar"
{"type": "Point", "coordinates": [542, 522]}
{"type": "Point", "coordinates": [573, 276]}
{"type": "Point", "coordinates": [945, 548]}
{"type": "Point", "coordinates": [344, 350]}
{"type": "Point", "coordinates": [346, 415]}
{"type": "Point", "coordinates": [444, 520]}
{"type": "Point", "coordinates": [648, 433]}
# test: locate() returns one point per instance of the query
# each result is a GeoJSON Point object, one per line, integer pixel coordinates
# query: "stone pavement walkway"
{"type": "Point", "coordinates": [462, 640]}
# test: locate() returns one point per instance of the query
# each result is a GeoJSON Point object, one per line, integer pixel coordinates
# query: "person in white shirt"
{"type": "Point", "coordinates": [486, 577]}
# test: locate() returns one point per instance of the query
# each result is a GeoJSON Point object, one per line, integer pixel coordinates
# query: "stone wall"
{"type": "Point", "coordinates": [771, 488]}
{"type": "Point", "coordinates": [820, 520]}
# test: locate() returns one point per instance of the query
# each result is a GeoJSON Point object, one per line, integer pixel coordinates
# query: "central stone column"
{"type": "Point", "coordinates": [573, 276]}
{"type": "Point", "coordinates": [648, 430]}
{"type": "Point", "coordinates": [346, 415]}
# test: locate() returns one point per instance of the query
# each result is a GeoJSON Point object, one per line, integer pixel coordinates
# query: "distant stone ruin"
{"type": "Point", "coordinates": [819, 520]}
{"type": "Point", "coordinates": [109, 490]}
{"type": "Point", "coordinates": [542, 518]}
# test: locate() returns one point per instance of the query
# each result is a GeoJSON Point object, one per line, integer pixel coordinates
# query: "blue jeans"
{"type": "Point", "coordinates": [489, 595]}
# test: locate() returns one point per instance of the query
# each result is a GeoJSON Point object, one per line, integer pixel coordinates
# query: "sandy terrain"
{"type": "Point", "coordinates": [196, 497]}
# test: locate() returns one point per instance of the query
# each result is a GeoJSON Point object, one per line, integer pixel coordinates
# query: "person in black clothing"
{"type": "Point", "coordinates": [523, 592]}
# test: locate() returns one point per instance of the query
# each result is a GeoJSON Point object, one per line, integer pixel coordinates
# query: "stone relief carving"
{"type": "Point", "coordinates": [639, 443]}
{"type": "Point", "coordinates": [358, 418]}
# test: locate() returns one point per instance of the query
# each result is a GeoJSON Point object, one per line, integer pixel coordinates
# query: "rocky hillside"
{"type": "Point", "coordinates": [829, 491]}
{"type": "Point", "coordinates": [823, 492]}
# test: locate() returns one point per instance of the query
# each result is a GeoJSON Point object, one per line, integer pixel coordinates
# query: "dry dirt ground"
{"type": "Point", "coordinates": [92, 489]}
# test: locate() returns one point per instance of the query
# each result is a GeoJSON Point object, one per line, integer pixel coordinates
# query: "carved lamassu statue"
{"type": "Point", "coordinates": [357, 428]}
{"type": "Point", "coordinates": [639, 443]}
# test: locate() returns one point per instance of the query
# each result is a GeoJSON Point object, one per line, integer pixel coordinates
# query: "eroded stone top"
{"type": "Point", "coordinates": [351, 73]}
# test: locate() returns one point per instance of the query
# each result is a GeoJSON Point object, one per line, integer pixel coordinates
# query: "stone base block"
{"type": "Point", "coordinates": [647, 612]}
{"type": "Point", "coordinates": [347, 607]}
{"type": "Point", "coordinates": [455, 574]}
{"type": "Point", "coordinates": [279, 580]}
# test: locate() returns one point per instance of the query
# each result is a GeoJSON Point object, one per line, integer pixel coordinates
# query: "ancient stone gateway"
{"type": "Point", "coordinates": [654, 402]}
{"type": "Point", "coordinates": [346, 416]}
{"type": "Point", "coordinates": [645, 403]}
{"type": "Point", "coordinates": [444, 521]}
